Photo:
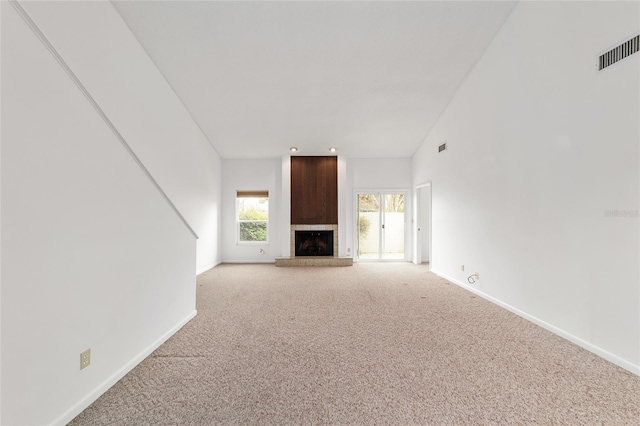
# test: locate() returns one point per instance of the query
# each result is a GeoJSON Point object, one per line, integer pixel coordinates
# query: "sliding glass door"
{"type": "Point", "coordinates": [381, 226]}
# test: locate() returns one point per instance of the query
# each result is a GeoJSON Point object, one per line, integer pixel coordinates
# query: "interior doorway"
{"type": "Point", "coordinates": [381, 225]}
{"type": "Point", "coordinates": [423, 224]}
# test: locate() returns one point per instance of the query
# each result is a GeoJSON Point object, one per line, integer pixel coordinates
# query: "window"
{"type": "Point", "coordinates": [252, 209]}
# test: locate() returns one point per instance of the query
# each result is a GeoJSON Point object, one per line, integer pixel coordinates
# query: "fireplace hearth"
{"type": "Point", "coordinates": [314, 243]}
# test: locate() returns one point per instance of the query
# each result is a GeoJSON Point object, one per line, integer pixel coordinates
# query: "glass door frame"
{"type": "Point", "coordinates": [382, 226]}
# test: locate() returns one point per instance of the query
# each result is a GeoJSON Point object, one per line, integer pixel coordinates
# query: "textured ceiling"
{"type": "Point", "coordinates": [370, 78]}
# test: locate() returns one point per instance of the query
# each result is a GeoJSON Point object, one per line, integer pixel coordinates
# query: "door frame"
{"type": "Point", "coordinates": [407, 235]}
{"type": "Point", "coordinates": [419, 215]}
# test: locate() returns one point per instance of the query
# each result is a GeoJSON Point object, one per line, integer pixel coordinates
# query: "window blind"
{"type": "Point", "coordinates": [252, 194]}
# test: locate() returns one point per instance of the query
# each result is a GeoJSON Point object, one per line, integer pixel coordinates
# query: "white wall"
{"type": "Point", "coordinates": [540, 145]}
{"type": "Point", "coordinates": [376, 173]}
{"type": "Point", "coordinates": [344, 233]}
{"type": "Point", "coordinates": [1, 79]}
{"type": "Point", "coordinates": [285, 207]}
{"type": "Point", "coordinates": [93, 256]}
{"type": "Point", "coordinates": [123, 80]}
{"type": "Point", "coordinates": [251, 175]}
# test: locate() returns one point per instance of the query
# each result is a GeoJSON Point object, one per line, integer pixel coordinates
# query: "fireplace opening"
{"type": "Point", "coordinates": [314, 243]}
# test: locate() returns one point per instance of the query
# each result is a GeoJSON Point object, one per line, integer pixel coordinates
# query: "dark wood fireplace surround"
{"type": "Point", "coordinates": [314, 190]}
{"type": "Point", "coordinates": [314, 207]}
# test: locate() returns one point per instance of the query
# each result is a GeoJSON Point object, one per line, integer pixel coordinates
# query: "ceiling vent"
{"type": "Point", "coordinates": [619, 52]}
{"type": "Point", "coordinates": [442, 147]}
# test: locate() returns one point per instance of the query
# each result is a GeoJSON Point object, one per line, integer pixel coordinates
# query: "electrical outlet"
{"type": "Point", "coordinates": [261, 251]}
{"type": "Point", "coordinates": [477, 275]}
{"type": "Point", "coordinates": [349, 250]}
{"type": "Point", "coordinates": [85, 359]}
{"type": "Point", "coordinates": [462, 267]}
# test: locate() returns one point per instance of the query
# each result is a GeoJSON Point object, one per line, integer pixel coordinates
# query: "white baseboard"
{"type": "Point", "coordinates": [95, 394]}
{"type": "Point", "coordinates": [620, 362]}
{"type": "Point", "coordinates": [250, 261]}
{"type": "Point", "coordinates": [206, 268]}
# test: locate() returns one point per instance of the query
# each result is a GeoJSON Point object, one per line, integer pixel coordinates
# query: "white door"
{"type": "Point", "coordinates": [381, 226]}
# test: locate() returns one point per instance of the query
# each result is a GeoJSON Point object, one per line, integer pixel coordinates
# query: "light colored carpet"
{"type": "Point", "coordinates": [369, 344]}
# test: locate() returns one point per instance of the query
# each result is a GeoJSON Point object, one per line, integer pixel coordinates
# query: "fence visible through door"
{"type": "Point", "coordinates": [381, 226]}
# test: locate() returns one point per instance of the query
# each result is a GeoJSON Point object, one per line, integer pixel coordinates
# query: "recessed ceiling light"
{"type": "Point", "coordinates": [333, 149]}
{"type": "Point", "coordinates": [293, 149]}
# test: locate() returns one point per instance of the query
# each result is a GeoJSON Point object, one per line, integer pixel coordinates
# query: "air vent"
{"type": "Point", "coordinates": [442, 147]}
{"type": "Point", "coordinates": [618, 53]}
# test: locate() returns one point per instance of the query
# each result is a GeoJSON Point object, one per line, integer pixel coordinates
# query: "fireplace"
{"type": "Point", "coordinates": [309, 256]}
{"type": "Point", "coordinates": [314, 243]}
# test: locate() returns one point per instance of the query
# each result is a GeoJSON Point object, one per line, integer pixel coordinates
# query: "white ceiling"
{"type": "Point", "coordinates": [370, 78]}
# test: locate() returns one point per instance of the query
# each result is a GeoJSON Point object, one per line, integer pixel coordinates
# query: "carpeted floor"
{"type": "Point", "coordinates": [371, 344]}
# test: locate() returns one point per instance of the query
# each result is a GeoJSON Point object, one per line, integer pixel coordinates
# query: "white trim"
{"type": "Point", "coordinates": [239, 221]}
{"type": "Point", "coordinates": [249, 261]}
{"type": "Point", "coordinates": [408, 206]}
{"type": "Point", "coordinates": [72, 412]}
{"type": "Point", "coordinates": [629, 366]}
{"type": "Point", "coordinates": [417, 222]}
